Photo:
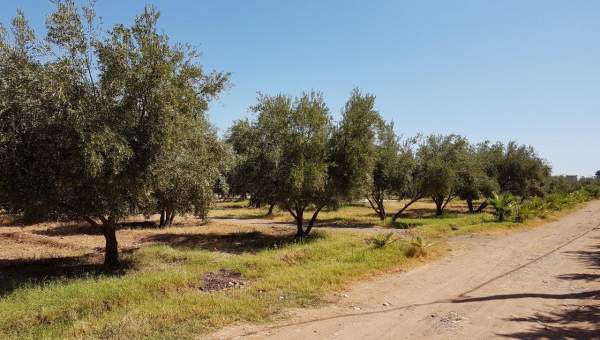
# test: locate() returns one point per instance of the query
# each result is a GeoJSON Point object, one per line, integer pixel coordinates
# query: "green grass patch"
{"type": "Point", "coordinates": [160, 295]}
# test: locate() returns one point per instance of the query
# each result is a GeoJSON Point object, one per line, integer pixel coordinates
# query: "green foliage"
{"type": "Point", "coordinates": [418, 247]}
{"type": "Point", "coordinates": [382, 240]}
{"type": "Point", "coordinates": [99, 125]}
{"type": "Point", "coordinates": [473, 182]}
{"type": "Point", "coordinates": [159, 296]}
{"type": "Point", "coordinates": [294, 156]}
{"type": "Point", "coordinates": [516, 168]}
{"type": "Point", "coordinates": [441, 160]}
{"type": "Point", "coordinates": [502, 205]}
{"type": "Point", "coordinates": [561, 184]}
{"type": "Point", "coordinates": [593, 190]}
{"type": "Point", "coordinates": [352, 150]}
{"type": "Point", "coordinates": [540, 207]}
{"type": "Point", "coordinates": [394, 164]}
{"type": "Point", "coordinates": [255, 165]}
{"type": "Point", "coordinates": [294, 136]}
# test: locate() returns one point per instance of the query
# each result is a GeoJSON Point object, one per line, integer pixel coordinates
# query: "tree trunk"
{"type": "Point", "coordinates": [300, 223]}
{"type": "Point", "coordinates": [377, 205]}
{"type": "Point", "coordinates": [439, 205]}
{"type": "Point", "coordinates": [397, 215]}
{"type": "Point", "coordinates": [172, 218]}
{"type": "Point", "coordinates": [470, 205]}
{"type": "Point", "coordinates": [167, 216]}
{"type": "Point", "coordinates": [111, 252]}
{"type": "Point", "coordinates": [162, 218]}
{"type": "Point", "coordinates": [382, 212]}
{"type": "Point", "coordinates": [312, 220]}
{"type": "Point", "coordinates": [270, 212]}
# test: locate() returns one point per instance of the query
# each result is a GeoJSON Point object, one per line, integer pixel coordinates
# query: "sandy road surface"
{"type": "Point", "coordinates": [542, 283]}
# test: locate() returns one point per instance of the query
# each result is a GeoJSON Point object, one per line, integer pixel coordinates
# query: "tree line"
{"type": "Point", "coordinates": [98, 124]}
{"type": "Point", "coordinates": [293, 155]}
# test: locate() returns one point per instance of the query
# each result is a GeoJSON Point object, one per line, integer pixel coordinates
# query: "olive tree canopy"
{"type": "Point", "coordinates": [88, 118]}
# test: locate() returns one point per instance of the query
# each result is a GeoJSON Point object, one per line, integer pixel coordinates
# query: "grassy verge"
{"type": "Point", "coordinates": [159, 296]}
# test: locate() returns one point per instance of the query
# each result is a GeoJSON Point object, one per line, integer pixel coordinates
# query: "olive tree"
{"type": "Point", "coordinates": [86, 115]}
{"type": "Point", "coordinates": [393, 170]}
{"type": "Point", "coordinates": [473, 182]}
{"type": "Point", "coordinates": [302, 127]}
{"type": "Point", "coordinates": [255, 163]}
{"type": "Point", "coordinates": [353, 150]}
{"type": "Point", "coordinates": [182, 178]}
{"type": "Point", "coordinates": [441, 159]}
{"type": "Point", "coordinates": [518, 169]}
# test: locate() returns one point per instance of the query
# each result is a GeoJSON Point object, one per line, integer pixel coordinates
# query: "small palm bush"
{"type": "Point", "coordinates": [382, 240]}
{"type": "Point", "coordinates": [523, 211]}
{"type": "Point", "coordinates": [418, 247]}
{"type": "Point", "coordinates": [502, 205]}
{"type": "Point", "coordinates": [593, 190]}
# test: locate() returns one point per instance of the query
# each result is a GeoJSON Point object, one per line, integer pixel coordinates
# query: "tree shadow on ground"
{"type": "Point", "coordinates": [234, 243]}
{"type": "Point", "coordinates": [570, 321]}
{"type": "Point", "coordinates": [70, 229]}
{"type": "Point", "coordinates": [26, 273]}
{"type": "Point", "coordinates": [235, 216]}
{"type": "Point", "coordinates": [336, 222]}
{"type": "Point", "coordinates": [406, 225]}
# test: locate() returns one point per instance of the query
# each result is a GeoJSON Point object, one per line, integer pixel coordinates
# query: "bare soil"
{"type": "Point", "coordinates": [541, 283]}
{"type": "Point", "coordinates": [222, 279]}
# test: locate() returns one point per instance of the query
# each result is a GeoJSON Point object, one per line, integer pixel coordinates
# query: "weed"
{"type": "Point", "coordinates": [418, 247]}
{"type": "Point", "coordinates": [382, 240]}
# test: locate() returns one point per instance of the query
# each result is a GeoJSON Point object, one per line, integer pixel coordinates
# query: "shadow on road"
{"type": "Point", "coordinates": [570, 321]}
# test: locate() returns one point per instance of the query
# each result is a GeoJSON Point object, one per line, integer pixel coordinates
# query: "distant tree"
{"type": "Point", "coordinates": [561, 184]}
{"type": "Point", "coordinates": [183, 177]}
{"type": "Point", "coordinates": [517, 168]}
{"type": "Point", "coordinates": [300, 159]}
{"type": "Point", "coordinates": [393, 169]}
{"type": "Point", "coordinates": [598, 175]}
{"type": "Point", "coordinates": [411, 180]}
{"type": "Point", "coordinates": [385, 169]}
{"type": "Point", "coordinates": [473, 181]}
{"type": "Point", "coordinates": [256, 162]}
{"type": "Point", "coordinates": [303, 127]}
{"type": "Point", "coordinates": [353, 150]}
{"type": "Point", "coordinates": [86, 119]}
{"type": "Point", "coordinates": [441, 160]}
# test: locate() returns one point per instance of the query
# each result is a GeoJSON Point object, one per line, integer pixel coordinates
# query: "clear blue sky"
{"type": "Point", "coordinates": [498, 70]}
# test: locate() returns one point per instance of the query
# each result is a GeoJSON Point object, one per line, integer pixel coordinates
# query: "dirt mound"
{"type": "Point", "coordinates": [222, 279]}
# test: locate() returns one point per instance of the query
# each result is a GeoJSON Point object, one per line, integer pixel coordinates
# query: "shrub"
{"type": "Point", "coordinates": [418, 247]}
{"type": "Point", "coordinates": [523, 211]}
{"type": "Point", "coordinates": [382, 240]}
{"type": "Point", "coordinates": [502, 205]}
{"type": "Point", "coordinates": [593, 190]}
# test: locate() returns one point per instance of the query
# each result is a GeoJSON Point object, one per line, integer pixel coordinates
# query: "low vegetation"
{"type": "Point", "coordinates": [160, 290]}
{"type": "Point", "coordinates": [160, 293]}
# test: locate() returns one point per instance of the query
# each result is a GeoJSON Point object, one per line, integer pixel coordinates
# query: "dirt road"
{"type": "Point", "coordinates": [542, 283]}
